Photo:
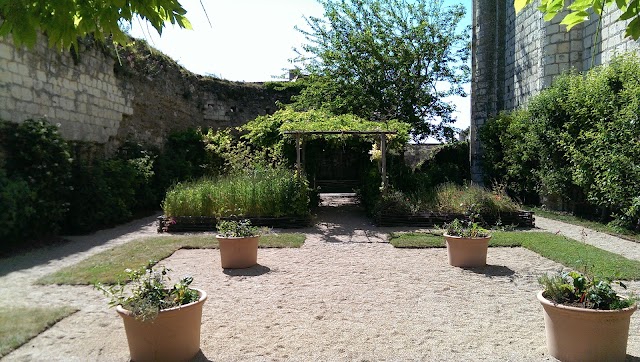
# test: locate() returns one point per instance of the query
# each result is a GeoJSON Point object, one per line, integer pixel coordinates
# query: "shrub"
{"type": "Point", "coordinates": [18, 213]}
{"type": "Point", "coordinates": [41, 157]}
{"type": "Point", "coordinates": [575, 144]}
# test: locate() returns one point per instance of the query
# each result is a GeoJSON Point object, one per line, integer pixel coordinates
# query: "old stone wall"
{"type": "Point", "coordinates": [98, 99]}
{"type": "Point", "coordinates": [82, 95]}
{"type": "Point", "coordinates": [510, 67]}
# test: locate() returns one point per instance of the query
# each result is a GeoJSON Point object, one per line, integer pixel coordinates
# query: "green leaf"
{"type": "Point", "coordinates": [520, 4]}
{"type": "Point", "coordinates": [575, 18]}
{"type": "Point", "coordinates": [633, 29]}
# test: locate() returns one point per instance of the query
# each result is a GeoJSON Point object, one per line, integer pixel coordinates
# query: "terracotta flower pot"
{"type": "Point", "coordinates": [238, 253]}
{"type": "Point", "coordinates": [467, 252]}
{"type": "Point", "coordinates": [173, 336]}
{"type": "Point", "coordinates": [580, 334]}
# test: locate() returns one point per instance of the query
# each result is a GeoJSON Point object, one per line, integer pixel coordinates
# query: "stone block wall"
{"type": "Point", "coordinates": [82, 95]}
{"type": "Point", "coordinates": [511, 66]}
{"type": "Point", "coordinates": [142, 97]}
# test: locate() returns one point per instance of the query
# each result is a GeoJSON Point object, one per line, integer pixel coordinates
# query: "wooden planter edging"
{"type": "Point", "coordinates": [429, 219]}
{"type": "Point", "coordinates": [206, 223]}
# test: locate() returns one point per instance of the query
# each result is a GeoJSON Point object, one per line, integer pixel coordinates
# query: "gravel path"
{"type": "Point", "coordinates": [626, 248]}
{"type": "Point", "coordinates": [346, 295]}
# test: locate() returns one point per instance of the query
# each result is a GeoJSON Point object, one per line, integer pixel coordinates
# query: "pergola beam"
{"type": "Point", "coordinates": [383, 147]}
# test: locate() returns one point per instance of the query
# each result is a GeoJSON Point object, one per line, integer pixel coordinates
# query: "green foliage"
{"type": "Point", "coordinates": [65, 21]}
{"type": "Point", "coordinates": [251, 193]}
{"type": "Point", "coordinates": [237, 229]}
{"type": "Point", "coordinates": [583, 290]}
{"type": "Point", "coordinates": [472, 201]}
{"type": "Point", "coordinates": [41, 157]}
{"type": "Point", "coordinates": [448, 164]}
{"type": "Point", "coordinates": [17, 202]}
{"type": "Point", "coordinates": [149, 293]}
{"type": "Point", "coordinates": [382, 60]}
{"type": "Point", "coordinates": [577, 140]}
{"type": "Point", "coordinates": [185, 156]}
{"type": "Point", "coordinates": [465, 229]}
{"type": "Point", "coordinates": [579, 12]}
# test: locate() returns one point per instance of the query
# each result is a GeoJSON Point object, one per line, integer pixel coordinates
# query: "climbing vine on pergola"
{"type": "Point", "coordinates": [314, 124]}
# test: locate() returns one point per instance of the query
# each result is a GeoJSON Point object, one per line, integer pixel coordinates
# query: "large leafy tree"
{"type": "Point", "coordinates": [65, 20]}
{"type": "Point", "coordinates": [579, 11]}
{"type": "Point", "coordinates": [387, 59]}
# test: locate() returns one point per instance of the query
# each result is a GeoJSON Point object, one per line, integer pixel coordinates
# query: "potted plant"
{"type": "Point", "coordinates": [162, 323]}
{"type": "Point", "coordinates": [467, 243]}
{"type": "Point", "coordinates": [585, 319]}
{"type": "Point", "coordinates": [238, 243]}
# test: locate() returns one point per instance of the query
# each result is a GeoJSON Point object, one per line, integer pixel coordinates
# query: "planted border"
{"type": "Point", "coordinates": [428, 219]}
{"type": "Point", "coordinates": [206, 223]}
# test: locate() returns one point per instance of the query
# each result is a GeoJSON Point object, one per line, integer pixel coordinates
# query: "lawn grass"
{"type": "Point", "coordinates": [594, 225]}
{"type": "Point", "coordinates": [108, 266]}
{"type": "Point", "coordinates": [19, 325]}
{"type": "Point", "coordinates": [571, 253]}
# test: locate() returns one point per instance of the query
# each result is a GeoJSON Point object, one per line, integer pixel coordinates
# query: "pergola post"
{"type": "Point", "coordinates": [383, 150]}
{"type": "Point", "coordinates": [298, 158]}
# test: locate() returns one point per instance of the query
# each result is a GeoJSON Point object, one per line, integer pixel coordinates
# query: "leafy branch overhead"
{"type": "Point", "coordinates": [65, 20]}
{"type": "Point", "coordinates": [579, 11]}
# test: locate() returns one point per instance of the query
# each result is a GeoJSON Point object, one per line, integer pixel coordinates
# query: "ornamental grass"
{"type": "Point", "coordinates": [261, 192]}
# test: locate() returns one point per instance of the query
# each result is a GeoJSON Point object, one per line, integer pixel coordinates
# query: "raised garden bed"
{"type": "Point", "coordinates": [429, 219]}
{"type": "Point", "coordinates": [206, 223]}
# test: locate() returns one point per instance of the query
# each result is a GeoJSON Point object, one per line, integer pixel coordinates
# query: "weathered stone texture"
{"type": "Point", "coordinates": [82, 95]}
{"type": "Point", "coordinates": [510, 67]}
{"type": "Point", "coordinates": [94, 98]}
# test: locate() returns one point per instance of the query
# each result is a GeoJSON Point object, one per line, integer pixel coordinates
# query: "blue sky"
{"type": "Point", "coordinates": [248, 40]}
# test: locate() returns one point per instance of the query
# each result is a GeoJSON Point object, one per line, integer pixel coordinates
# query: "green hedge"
{"type": "Point", "coordinates": [577, 144]}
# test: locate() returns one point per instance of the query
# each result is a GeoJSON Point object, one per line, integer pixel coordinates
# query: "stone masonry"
{"type": "Point", "coordinates": [516, 56]}
{"type": "Point", "coordinates": [83, 97]}
{"type": "Point", "coordinates": [96, 98]}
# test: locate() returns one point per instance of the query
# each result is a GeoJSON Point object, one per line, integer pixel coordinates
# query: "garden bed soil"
{"type": "Point", "coordinates": [523, 219]}
{"type": "Point", "coordinates": [205, 223]}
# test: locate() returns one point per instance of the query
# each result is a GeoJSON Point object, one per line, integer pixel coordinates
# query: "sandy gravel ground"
{"type": "Point", "coordinates": [346, 295]}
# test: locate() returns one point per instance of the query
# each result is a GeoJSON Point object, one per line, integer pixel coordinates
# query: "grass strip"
{"type": "Point", "coordinates": [569, 252]}
{"type": "Point", "coordinates": [19, 325]}
{"type": "Point", "coordinates": [108, 266]}
{"type": "Point", "coordinates": [594, 225]}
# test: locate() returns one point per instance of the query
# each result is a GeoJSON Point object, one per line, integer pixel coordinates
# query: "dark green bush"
{"type": "Point", "coordinates": [185, 157]}
{"type": "Point", "coordinates": [18, 213]}
{"type": "Point", "coordinates": [41, 157]}
{"type": "Point", "coordinates": [117, 188]}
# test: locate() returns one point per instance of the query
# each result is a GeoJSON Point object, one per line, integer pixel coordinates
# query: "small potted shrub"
{"type": "Point", "coordinates": [162, 323]}
{"type": "Point", "coordinates": [238, 242]}
{"type": "Point", "coordinates": [467, 243]}
{"type": "Point", "coordinates": [585, 319]}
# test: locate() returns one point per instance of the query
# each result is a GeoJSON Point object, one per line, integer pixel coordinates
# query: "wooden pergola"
{"type": "Point", "coordinates": [383, 146]}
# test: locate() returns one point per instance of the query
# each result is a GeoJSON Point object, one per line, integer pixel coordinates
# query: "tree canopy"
{"type": "Point", "coordinates": [65, 20]}
{"type": "Point", "coordinates": [386, 59]}
{"type": "Point", "coordinates": [579, 12]}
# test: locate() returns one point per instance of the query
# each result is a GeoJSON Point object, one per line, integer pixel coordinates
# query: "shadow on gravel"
{"type": "Point", "coordinates": [253, 271]}
{"type": "Point", "coordinates": [71, 245]}
{"type": "Point", "coordinates": [631, 358]}
{"type": "Point", "coordinates": [200, 357]}
{"type": "Point", "coordinates": [492, 271]}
